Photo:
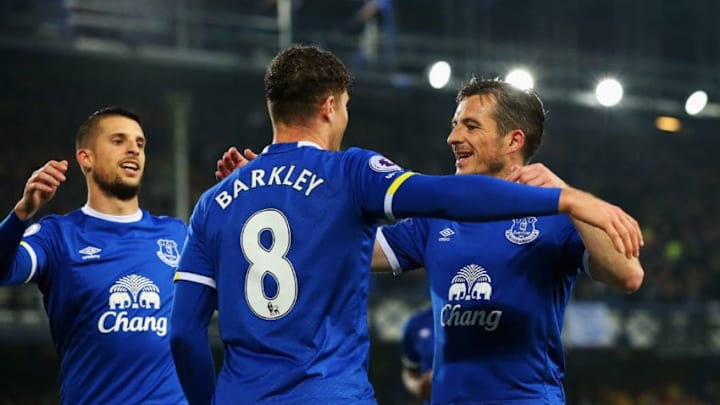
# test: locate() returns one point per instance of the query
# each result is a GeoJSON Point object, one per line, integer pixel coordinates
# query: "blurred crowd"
{"type": "Point", "coordinates": [666, 181]}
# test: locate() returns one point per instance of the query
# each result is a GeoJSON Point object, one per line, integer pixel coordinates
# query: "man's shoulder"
{"type": "Point", "coordinates": [66, 219]}
{"type": "Point", "coordinates": [164, 220]}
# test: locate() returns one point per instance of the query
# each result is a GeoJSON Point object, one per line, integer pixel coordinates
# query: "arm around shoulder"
{"type": "Point", "coordinates": [606, 264]}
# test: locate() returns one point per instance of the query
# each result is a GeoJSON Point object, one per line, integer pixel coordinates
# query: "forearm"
{"type": "Point", "coordinates": [471, 198]}
{"type": "Point", "coordinates": [606, 264]}
{"type": "Point", "coordinates": [380, 263]}
{"type": "Point", "coordinates": [192, 310]}
{"type": "Point", "coordinates": [417, 384]}
{"type": "Point", "coordinates": [12, 268]}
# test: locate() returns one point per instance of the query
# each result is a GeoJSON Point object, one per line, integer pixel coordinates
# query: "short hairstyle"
{"type": "Point", "coordinates": [86, 128]}
{"type": "Point", "coordinates": [515, 109]}
{"type": "Point", "coordinates": [299, 79]}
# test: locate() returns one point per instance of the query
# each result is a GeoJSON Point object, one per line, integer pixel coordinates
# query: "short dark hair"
{"type": "Point", "coordinates": [87, 127]}
{"type": "Point", "coordinates": [299, 78]}
{"type": "Point", "coordinates": [515, 108]}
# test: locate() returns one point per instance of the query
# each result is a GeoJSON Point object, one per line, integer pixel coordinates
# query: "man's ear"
{"type": "Point", "coordinates": [85, 159]}
{"type": "Point", "coordinates": [328, 106]}
{"type": "Point", "coordinates": [516, 141]}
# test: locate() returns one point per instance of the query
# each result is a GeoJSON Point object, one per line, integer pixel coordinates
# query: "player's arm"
{"type": "Point", "coordinates": [193, 307]}
{"type": "Point", "coordinates": [231, 159]}
{"type": "Point", "coordinates": [380, 262]}
{"type": "Point", "coordinates": [483, 198]}
{"type": "Point", "coordinates": [18, 265]}
{"type": "Point", "coordinates": [40, 188]}
{"type": "Point", "coordinates": [15, 263]}
{"type": "Point", "coordinates": [417, 383]}
{"type": "Point", "coordinates": [605, 264]}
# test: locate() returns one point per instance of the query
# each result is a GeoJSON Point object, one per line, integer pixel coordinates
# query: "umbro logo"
{"type": "Point", "coordinates": [445, 235]}
{"type": "Point", "coordinates": [90, 252]}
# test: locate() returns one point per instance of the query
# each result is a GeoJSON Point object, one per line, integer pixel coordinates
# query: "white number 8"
{"type": "Point", "coordinates": [268, 261]}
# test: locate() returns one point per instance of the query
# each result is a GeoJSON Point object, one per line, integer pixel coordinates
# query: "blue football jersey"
{"type": "Point", "coordinates": [418, 340]}
{"type": "Point", "coordinates": [499, 292]}
{"type": "Point", "coordinates": [107, 289]}
{"type": "Point", "coordinates": [287, 240]}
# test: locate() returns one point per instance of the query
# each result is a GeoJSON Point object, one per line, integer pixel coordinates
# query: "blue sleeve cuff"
{"type": "Point", "coordinates": [12, 229]}
{"type": "Point", "coordinates": [13, 222]}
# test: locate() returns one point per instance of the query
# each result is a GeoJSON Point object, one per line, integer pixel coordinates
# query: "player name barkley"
{"type": "Point", "coordinates": [301, 180]}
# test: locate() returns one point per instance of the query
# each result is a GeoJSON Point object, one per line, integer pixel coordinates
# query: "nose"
{"type": "Point", "coordinates": [133, 149]}
{"type": "Point", "coordinates": [453, 138]}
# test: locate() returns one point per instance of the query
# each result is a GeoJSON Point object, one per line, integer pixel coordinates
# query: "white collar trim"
{"type": "Point", "coordinates": [299, 145]}
{"type": "Point", "coordinates": [308, 143]}
{"type": "Point", "coordinates": [112, 218]}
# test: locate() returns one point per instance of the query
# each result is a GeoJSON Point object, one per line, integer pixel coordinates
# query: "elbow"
{"type": "Point", "coordinates": [633, 280]}
{"type": "Point", "coordinates": [177, 342]}
{"type": "Point", "coordinates": [180, 338]}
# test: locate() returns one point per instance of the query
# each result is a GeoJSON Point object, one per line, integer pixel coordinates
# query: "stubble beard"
{"type": "Point", "coordinates": [113, 186]}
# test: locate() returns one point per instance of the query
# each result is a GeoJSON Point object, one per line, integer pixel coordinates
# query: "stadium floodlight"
{"type": "Point", "coordinates": [520, 78]}
{"type": "Point", "coordinates": [668, 124]}
{"type": "Point", "coordinates": [609, 92]}
{"type": "Point", "coordinates": [439, 74]}
{"type": "Point", "coordinates": [696, 102]}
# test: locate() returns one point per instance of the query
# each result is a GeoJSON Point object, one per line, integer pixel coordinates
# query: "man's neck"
{"type": "Point", "coordinates": [505, 172]}
{"type": "Point", "coordinates": [288, 134]}
{"type": "Point", "coordinates": [112, 205]}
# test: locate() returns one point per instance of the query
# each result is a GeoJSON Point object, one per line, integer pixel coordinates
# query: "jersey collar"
{"type": "Point", "coordinates": [280, 147]}
{"type": "Point", "coordinates": [112, 218]}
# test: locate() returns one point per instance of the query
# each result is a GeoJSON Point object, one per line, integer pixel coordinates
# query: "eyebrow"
{"type": "Point", "coordinates": [124, 135]}
{"type": "Point", "coordinates": [469, 120]}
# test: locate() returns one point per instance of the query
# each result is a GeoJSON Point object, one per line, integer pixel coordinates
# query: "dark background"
{"type": "Point", "coordinates": [59, 61]}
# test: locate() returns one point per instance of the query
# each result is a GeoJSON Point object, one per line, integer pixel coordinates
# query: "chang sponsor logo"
{"type": "Point", "coordinates": [471, 283]}
{"type": "Point", "coordinates": [137, 294]}
{"type": "Point", "coordinates": [454, 315]}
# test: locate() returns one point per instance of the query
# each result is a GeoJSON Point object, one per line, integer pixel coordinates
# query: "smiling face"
{"type": "Point", "coordinates": [474, 138]}
{"type": "Point", "coordinates": [114, 157]}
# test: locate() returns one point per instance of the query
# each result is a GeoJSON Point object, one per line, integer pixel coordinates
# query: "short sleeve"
{"type": "Point", "coordinates": [195, 265]}
{"type": "Point", "coordinates": [404, 244]}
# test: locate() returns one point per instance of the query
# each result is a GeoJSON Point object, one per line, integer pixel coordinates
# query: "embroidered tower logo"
{"type": "Point", "coordinates": [132, 292]}
{"type": "Point", "coordinates": [522, 231]}
{"type": "Point", "coordinates": [471, 282]}
{"type": "Point", "coordinates": [168, 252]}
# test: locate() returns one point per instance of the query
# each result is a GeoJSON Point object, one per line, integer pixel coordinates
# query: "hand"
{"type": "Point", "coordinates": [231, 160]}
{"type": "Point", "coordinates": [426, 385]}
{"type": "Point", "coordinates": [623, 230]}
{"type": "Point", "coordinates": [536, 174]}
{"type": "Point", "coordinates": [40, 188]}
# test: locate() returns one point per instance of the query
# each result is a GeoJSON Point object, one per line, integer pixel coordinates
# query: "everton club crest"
{"type": "Point", "coordinates": [168, 252]}
{"type": "Point", "coordinates": [522, 231]}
